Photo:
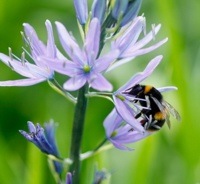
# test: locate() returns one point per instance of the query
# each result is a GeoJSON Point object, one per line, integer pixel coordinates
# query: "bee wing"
{"type": "Point", "coordinates": [159, 104]}
{"type": "Point", "coordinates": [172, 111]}
{"type": "Point", "coordinates": [164, 109]}
{"type": "Point", "coordinates": [168, 121]}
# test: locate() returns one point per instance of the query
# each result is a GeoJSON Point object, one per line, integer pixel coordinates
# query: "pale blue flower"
{"type": "Point", "coordinates": [81, 8]}
{"type": "Point", "coordinates": [84, 66]}
{"type": "Point", "coordinates": [129, 45]}
{"type": "Point", "coordinates": [44, 139]}
{"type": "Point", "coordinates": [124, 103]}
{"type": "Point", "coordinates": [119, 133]}
{"type": "Point", "coordinates": [35, 72]}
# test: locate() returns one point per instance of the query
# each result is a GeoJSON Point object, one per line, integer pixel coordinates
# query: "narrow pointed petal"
{"type": "Point", "coordinates": [136, 79]}
{"type": "Point", "coordinates": [127, 114]}
{"type": "Point", "coordinates": [68, 43]}
{"type": "Point", "coordinates": [36, 46]}
{"type": "Point", "coordinates": [51, 48]}
{"type": "Point", "coordinates": [92, 38]}
{"type": "Point", "coordinates": [136, 136]}
{"type": "Point", "coordinates": [132, 53]}
{"type": "Point", "coordinates": [26, 135]}
{"type": "Point", "coordinates": [74, 83]}
{"type": "Point", "coordinates": [129, 35]}
{"type": "Point", "coordinates": [17, 66]}
{"type": "Point", "coordinates": [100, 83]}
{"type": "Point", "coordinates": [22, 82]}
{"type": "Point", "coordinates": [119, 63]}
{"type": "Point", "coordinates": [147, 38]}
{"type": "Point", "coordinates": [31, 127]}
{"type": "Point", "coordinates": [132, 136]}
{"type": "Point", "coordinates": [121, 146]}
{"type": "Point", "coordinates": [167, 88]}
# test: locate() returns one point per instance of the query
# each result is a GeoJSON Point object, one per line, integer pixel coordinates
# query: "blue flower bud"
{"type": "Point", "coordinates": [131, 11]}
{"type": "Point", "coordinates": [81, 8]}
{"type": "Point", "coordinates": [44, 139]}
{"type": "Point", "coordinates": [126, 9]}
{"type": "Point", "coordinates": [99, 9]}
{"type": "Point", "coordinates": [119, 8]}
{"type": "Point", "coordinates": [69, 178]}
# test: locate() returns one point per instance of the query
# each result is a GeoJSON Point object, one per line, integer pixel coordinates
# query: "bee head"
{"type": "Point", "coordinates": [135, 90]}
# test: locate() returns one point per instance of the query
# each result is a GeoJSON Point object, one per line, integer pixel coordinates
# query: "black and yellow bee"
{"type": "Point", "coordinates": [155, 110]}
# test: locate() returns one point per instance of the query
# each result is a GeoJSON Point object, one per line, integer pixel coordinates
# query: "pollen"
{"type": "Point", "coordinates": [159, 116]}
{"type": "Point", "coordinates": [113, 134]}
{"type": "Point", "coordinates": [86, 69]}
{"type": "Point", "coordinates": [147, 89]}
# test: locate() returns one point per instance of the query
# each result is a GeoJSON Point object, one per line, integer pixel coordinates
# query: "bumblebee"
{"type": "Point", "coordinates": [155, 110]}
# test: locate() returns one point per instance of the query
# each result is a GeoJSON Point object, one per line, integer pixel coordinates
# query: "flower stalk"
{"type": "Point", "coordinates": [77, 132]}
{"type": "Point", "coordinates": [58, 88]}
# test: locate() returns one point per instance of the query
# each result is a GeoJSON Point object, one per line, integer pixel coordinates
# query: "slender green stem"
{"type": "Point", "coordinates": [77, 132]}
{"type": "Point", "coordinates": [89, 154]}
{"type": "Point", "coordinates": [56, 86]}
{"type": "Point", "coordinates": [100, 145]}
{"type": "Point", "coordinates": [101, 95]}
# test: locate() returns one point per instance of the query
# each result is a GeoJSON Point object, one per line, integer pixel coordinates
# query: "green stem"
{"type": "Point", "coordinates": [89, 154]}
{"type": "Point", "coordinates": [77, 132]}
{"type": "Point", "coordinates": [100, 145]}
{"type": "Point", "coordinates": [56, 86]}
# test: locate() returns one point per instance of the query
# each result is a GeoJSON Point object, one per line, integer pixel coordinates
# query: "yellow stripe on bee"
{"type": "Point", "coordinates": [159, 116]}
{"type": "Point", "coordinates": [147, 89]}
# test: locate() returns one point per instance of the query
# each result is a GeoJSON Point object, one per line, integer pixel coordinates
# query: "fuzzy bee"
{"type": "Point", "coordinates": [156, 111]}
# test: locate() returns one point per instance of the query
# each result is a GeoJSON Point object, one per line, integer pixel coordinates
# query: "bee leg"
{"type": "Point", "coordinates": [138, 115]}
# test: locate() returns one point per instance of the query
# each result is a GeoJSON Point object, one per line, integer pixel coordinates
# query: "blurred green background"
{"type": "Point", "coordinates": [167, 157]}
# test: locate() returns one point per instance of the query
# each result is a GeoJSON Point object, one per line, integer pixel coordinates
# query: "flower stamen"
{"type": "Point", "coordinates": [86, 69]}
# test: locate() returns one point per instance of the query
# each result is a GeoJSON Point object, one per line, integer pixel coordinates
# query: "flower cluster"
{"type": "Point", "coordinates": [113, 34]}
{"type": "Point", "coordinates": [85, 65]}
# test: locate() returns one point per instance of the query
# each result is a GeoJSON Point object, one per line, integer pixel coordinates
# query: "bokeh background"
{"type": "Point", "coordinates": [167, 157]}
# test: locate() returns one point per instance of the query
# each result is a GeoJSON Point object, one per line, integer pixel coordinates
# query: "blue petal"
{"type": "Point", "coordinates": [22, 82]}
{"type": "Point", "coordinates": [100, 83]}
{"type": "Point", "coordinates": [51, 48]}
{"type": "Point", "coordinates": [75, 83]}
{"type": "Point", "coordinates": [136, 79]}
{"type": "Point", "coordinates": [91, 45]}
{"type": "Point", "coordinates": [127, 114]}
{"type": "Point", "coordinates": [112, 121]}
